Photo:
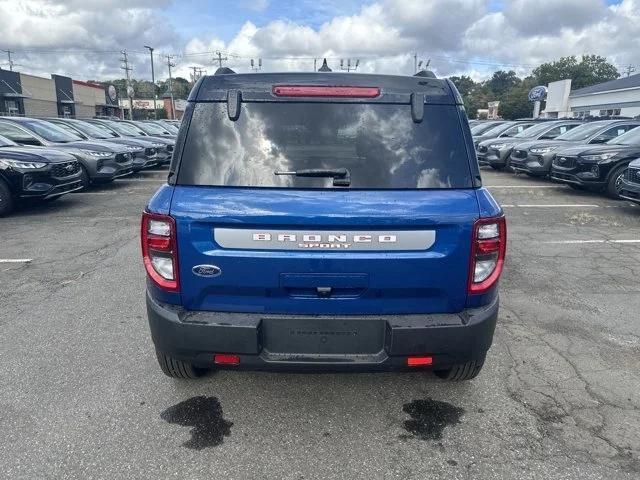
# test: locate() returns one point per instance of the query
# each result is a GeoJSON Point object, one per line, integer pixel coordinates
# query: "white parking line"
{"type": "Point", "coordinates": [15, 260]}
{"type": "Point", "coordinates": [578, 242]}
{"type": "Point", "coordinates": [525, 186]}
{"type": "Point", "coordinates": [566, 205]}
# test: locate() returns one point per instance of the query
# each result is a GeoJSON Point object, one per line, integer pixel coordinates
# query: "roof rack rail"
{"type": "Point", "coordinates": [223, 71]}
{"type": "Point", "coordinates": [425, 73]}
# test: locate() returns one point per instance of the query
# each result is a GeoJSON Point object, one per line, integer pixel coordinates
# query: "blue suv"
{"type": "Point", "coordinates": [323, 221]}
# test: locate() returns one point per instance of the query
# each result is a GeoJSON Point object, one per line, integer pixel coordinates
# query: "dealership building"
{"type": "Point", "coordinates": [58, 96]}
{"type": "Point", "coordinates": [615, 97]}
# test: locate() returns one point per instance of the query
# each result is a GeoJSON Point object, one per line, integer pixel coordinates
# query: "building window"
{"type": "Point", "coordinates": [610, 112]}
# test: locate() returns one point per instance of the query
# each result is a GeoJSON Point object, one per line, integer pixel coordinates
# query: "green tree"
{"type": "Point", "coordinates": [181, 87]}
{"type": "Point", "coordinates": [515, 102]}
{"type": "Point", "coordinates": [501, 82]}
{"type": "Point", "coordinates": [590, 70]}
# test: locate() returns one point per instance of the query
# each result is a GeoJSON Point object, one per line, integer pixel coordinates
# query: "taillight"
{"type": "Point", "coordinates": [159, 250]}
{"type": "Point", "coordinates": [488, 249]}
{"type": "Point", "coordinates": [325, 91]}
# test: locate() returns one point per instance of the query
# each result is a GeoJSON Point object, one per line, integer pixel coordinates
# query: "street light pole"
{"type": "Point", "coordinates": [153, 80]}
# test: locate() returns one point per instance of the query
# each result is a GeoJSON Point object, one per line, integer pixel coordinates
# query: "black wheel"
{"type": "Point", "coordinates": [575, 186]}
{"type": "Point", "coordinates": [175, 368]}
{"type": "Point", "coordinates": [6, 200]}
{"type": "Point", "coordinates": [465, 371]}
{"type": "Point", "coordinates": [497, 167]}
{"type": "Point", "coordinates": [84, 178]}
{"type": "Point", "coordinates": [614, 184]}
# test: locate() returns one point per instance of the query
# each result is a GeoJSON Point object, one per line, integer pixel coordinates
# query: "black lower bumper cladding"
{"type": "Point", "coordinates": [304, 342]}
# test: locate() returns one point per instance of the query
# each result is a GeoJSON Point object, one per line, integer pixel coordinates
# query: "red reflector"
{"type": "Point", "coordinates": [322, 91]}
{"type": "Point", "coordinates": [419, 361]}
{"type": "Point", "coordinates": [226, 359]}
{"type": "Point", "coordinates": [487, 246]}
{"type": "Point", "coordinates": [159, 243]}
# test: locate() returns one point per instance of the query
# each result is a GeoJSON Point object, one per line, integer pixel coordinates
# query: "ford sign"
{"type": "Point", "coordinates": [538, 93]}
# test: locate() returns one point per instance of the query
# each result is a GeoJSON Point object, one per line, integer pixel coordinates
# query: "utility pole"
{"type": "Point", "coordinates": [173, 105]}
{"type": "Point", "coordinates": [153, 80]}
{"type": "Point", "coordinates": [315, 63]}
{"type": "Point", "coordinates": [415, 62]}
{"type": "Point", "coordinates": [9, 52]}
{"type": "Point", "coordinates": [197, 73]}
{"type": "Point", "coordinates": [127, 69]}
{"type": "Point", "coordinates": [254, 67]}
{"type": "Point", "coordinates": [220, 58]}
{"type": "Point", "coordinates": [629, 70]}
{"type": "Point", "coordinates": [348, 68]}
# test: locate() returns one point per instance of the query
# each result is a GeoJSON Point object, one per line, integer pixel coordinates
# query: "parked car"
{"type": "Point", "coordinates": [100, 162]}
{"type": "Point", "coordinates": [485, 126]}
{"type": "Point", "coordinates": [534, 158]}
{"type": "Point", "coordinates": [503, 130]}
{"type": "Point", "coordinates": [170, 126]}
{"type": "Point", "coordinates": [323, 227]}
{"type": "Point", "coordinates": [496, 152]}
{"type": "Point", "coordinates": [34, 174]}
{"type": "Point", "coordinates": [597, 167]}
{"type": "Point", "coordinates": [630, 189]}
{"type": "Point", "coordinates": [152, 128]}
{"type": "Point", "coordinates": [145, 153]}
{"type": "Point", "coordinates": [127, 130]}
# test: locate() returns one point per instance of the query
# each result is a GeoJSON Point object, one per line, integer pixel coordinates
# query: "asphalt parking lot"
{"type": "Point", "coordinates": [81, 395]}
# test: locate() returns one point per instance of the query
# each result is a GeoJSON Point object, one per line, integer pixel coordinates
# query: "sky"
{"type": "Point", "coordinates": [83, 38]}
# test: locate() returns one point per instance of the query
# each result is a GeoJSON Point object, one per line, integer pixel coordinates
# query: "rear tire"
{"type": "Point", "coordinates": [615, 182]}
{"type": "Point", "coordinates": [6, 200]}
{"type": "Point", "coordinates": [174, 368]}
{"type": "Point", "coordinates": [464, 371]}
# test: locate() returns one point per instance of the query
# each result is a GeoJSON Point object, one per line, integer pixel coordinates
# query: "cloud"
{"type": "Point", "coordinates": [459, 36]}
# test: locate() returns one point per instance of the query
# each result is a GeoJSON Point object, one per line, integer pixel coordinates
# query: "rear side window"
{"type": "Point", "coordinates": [379, 144]}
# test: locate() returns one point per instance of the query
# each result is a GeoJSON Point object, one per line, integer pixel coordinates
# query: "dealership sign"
{"type": "Point", "coordinates": [538, 93]}
{"type": "Point", "coordinates": [113, 94]}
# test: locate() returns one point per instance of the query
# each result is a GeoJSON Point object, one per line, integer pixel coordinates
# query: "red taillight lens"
{"type": "Point", "coordinates": [324, 91]}
{"type": "Point", "coordinates": [226, 359]}
{"type": "Point", "coordinates": [159, 250]}
{"type": "Point", "coordinates": [488, 249]}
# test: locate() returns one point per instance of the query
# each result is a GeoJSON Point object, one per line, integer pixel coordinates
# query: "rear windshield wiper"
{"type": "Point", "coordinates": [341, 176]}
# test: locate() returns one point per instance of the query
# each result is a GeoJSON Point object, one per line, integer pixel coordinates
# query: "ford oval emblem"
{"type": "Point", "coordinates": [206, 270]}
{"type": "Point", "coordinates": [538, 93]}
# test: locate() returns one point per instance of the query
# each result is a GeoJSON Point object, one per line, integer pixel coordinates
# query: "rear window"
{"type": "Point", "coordinates": [379, 145]}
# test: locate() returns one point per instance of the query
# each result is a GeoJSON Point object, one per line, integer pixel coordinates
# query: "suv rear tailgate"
{"type": "Point", "coordinates": [385, 278]}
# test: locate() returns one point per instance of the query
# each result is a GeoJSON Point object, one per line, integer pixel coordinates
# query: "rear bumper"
{"type": "Point", "coordinates": [286, 342]}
